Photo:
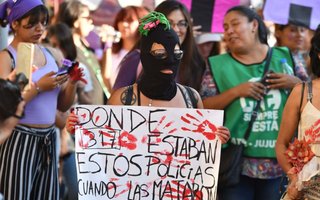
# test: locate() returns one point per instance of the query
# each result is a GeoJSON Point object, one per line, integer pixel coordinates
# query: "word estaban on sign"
{"type": "Point", "coordinates": [136, 152]}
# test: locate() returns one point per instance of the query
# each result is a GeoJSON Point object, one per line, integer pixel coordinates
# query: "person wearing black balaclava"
{"type": "Point", "coordinates": [160, 57]}
{"type": "Point", "coordinates": [155, 82]}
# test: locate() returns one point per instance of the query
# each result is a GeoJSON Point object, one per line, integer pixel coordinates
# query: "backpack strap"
{"type": "Point", "coordinates": [194, 101]}
{"type": "Point", "coordinates": [184, 96]}
{"type": "Point", "coordinates": [310, 91]}
{"type": "Point", "coordinates": [302, 94]}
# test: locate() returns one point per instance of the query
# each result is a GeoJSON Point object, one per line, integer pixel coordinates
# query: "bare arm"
{"type": "Point", "coordinates": [288, 126]}
{"type": "Point", "coordinates": [66, 96]}
{"type": "Point", "coordinates": [68, 89]}
{"type": "Point", "coordinates": [116, 97]}
{"type": "Point", "coordinates": [289, 123]}
{"type": "Point", "coordinates": [5, 68]}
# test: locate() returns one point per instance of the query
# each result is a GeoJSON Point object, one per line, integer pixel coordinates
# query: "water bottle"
{"type": "Point", "coordinates": [106, 32]}
{"type": "Point", "coordinates": [286, 68]}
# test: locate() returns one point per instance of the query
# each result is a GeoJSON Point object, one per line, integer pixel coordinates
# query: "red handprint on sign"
{"type": "Point", "coordinates": [313, 133]}
{"type": "Point", "coordinates": [164, 126]}
{"type": "Point", "coordinates": [200, 126]}
{"type": "Point", "coordinates": [126, 140]}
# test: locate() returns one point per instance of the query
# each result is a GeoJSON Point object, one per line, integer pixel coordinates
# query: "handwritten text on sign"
{"type": "Point", "coordinates": [130, 152]}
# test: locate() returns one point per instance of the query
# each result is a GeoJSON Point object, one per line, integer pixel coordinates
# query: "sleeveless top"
{"type": "Point", "coordinates": [309, 129]}
{"type": "Point", "coordinates": [42, 108]}
{"type": "Point", "coordinates": [229, 73]}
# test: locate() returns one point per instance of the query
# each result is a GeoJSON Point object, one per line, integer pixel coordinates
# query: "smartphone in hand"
{"type": "Point", "coordinates": [66, 67]}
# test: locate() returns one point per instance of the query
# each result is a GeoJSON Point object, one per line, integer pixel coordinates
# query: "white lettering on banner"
{"type": "Point", "coordinates": [238, 141]}
{"type": "Point", "coordinates": [272, 99]}
{"type": "Point", "coordinates": [142, 153]}
{"type": "Point", "coordinates": [268, 115]}
{"type": "Point", "coordinates": [265, 144]}
{"type": "Point", "coordinates": [264, 126]}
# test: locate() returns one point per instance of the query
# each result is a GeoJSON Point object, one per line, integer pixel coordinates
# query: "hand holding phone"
{"type": "Point", "coordinates": [66, 67]}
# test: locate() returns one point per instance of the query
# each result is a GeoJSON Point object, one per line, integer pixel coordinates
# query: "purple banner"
{"type": "Point", "coordinates": [294, 11]}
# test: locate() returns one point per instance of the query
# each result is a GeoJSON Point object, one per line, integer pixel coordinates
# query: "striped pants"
{"type": "Point", "coordinates": [28, 166]}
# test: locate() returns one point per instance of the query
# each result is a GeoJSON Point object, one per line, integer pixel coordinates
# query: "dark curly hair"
{"type": "Point", "coordinates": [9, 104]}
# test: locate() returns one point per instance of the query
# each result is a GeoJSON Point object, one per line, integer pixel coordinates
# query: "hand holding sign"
{"type": "Point", "coordinates": [200, 126]}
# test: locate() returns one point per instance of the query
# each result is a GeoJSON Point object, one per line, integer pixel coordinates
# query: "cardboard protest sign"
{"type": "Point", "coordinates": [209, 13]}
{"type": "Point", "coordinates": [305, 13]}
{"type": "Point", "coordinates": [136, 152]}
{"type": "Point", "coordinates": [25, 55]}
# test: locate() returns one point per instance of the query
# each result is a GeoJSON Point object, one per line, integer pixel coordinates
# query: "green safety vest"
{"type": "Point", "coordinates": [229, 73]}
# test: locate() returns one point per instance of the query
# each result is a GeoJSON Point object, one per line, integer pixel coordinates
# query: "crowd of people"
{"type": "Point", "coordinates": [173, 64]}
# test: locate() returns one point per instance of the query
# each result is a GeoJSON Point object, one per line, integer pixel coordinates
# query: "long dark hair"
{"type": "Point", "coordinates": [192, 65]}
{"type": "Point", "coordinates": [314, 53]}
{"type": "Point", "coordinates": [64, 36]}
{"type": "Point", "coordinates": [69, 12]}
{"type": "Point", "coordinates": [252, 15]}
{"type": "Point", "coordinates": [129, 14]}
{"type": "Point", "coordinates": [11, 100]}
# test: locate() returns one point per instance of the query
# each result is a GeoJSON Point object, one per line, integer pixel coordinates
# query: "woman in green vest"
{"type": "Point", "coordinates": [238, 77]}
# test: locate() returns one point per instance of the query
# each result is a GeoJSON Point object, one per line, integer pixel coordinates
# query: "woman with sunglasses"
{"type": "Point", "coordinates": [28, 166]}
{"type": "Point", "coordinates": [192, 66]}
{"type": "Point", "coordinates": [160, 56]}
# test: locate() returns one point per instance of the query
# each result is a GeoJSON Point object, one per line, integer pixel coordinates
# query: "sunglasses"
{"type": "Point", "coordinates": [161, 54]}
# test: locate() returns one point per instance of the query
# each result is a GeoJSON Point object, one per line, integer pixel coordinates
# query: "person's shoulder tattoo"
{"type": "Point", "coordinates": [124, 96]}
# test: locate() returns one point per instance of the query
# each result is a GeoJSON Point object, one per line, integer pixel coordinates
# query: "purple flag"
{"type": "Point", "coordinates": [305, 13]}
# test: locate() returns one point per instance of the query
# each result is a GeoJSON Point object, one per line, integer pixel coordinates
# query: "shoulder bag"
{"type": "Point", "coordinates": [232, 156]}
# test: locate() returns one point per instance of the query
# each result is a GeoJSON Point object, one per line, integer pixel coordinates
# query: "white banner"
{"type": "Point", "coordinates": [135, 152]}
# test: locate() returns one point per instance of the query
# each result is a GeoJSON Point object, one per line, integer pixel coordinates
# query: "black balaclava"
{"type": "Point", "coordinates": [153, 83]}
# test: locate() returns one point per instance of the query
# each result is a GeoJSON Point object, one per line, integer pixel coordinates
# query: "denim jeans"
{"type": "Point", "coordinates": [252, 189]}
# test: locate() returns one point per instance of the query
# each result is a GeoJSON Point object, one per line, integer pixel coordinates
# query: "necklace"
{"type": "Point", "coordinates": [150, 102]}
